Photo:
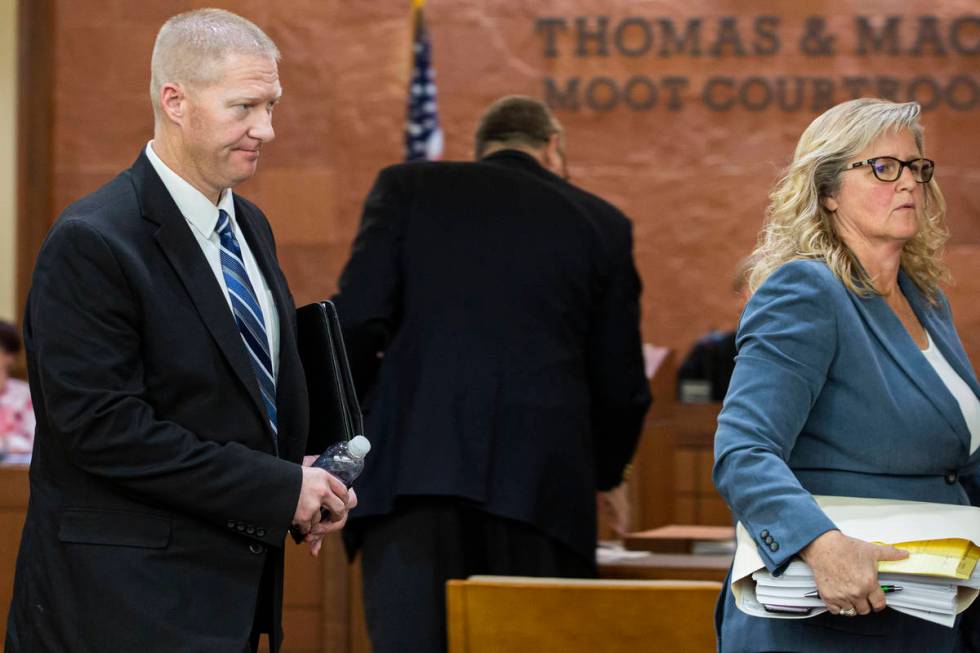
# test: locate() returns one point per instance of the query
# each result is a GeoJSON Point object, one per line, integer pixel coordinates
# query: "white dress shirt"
{"type": "Point", "coordinates": [969, 404]}
{"type": "Point", "coordinates": [202, 216]}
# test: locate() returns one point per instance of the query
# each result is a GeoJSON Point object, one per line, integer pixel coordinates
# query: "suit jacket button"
{"type": "Point", "coordinates": [231, 523]}
{"type": "Point", "coordinates": [769, 539]}
{"type": "Point", "coordinates": [764, 534]}
{"type": "Point", "coordinates": [256, 548]}
{"type": "Point", "coordinates": [260, 532]}
{"type": "Point", "coordinates": [250, 529]}
{"type": "Point", "coordinates": [951, 476]}
{"type": "Point", "coordinates": [774, 546]}
{"type": "Point", "coordinates": [240, 526]}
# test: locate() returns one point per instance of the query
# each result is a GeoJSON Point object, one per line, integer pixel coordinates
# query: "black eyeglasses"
{"type": "Point", "coordinates": [888, 168]}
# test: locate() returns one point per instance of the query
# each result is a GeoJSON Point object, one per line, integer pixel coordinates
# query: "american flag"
{"type": "Point", "coordinates": [423, 137]}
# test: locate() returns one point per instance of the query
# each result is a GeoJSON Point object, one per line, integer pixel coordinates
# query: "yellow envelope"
{"type": "Point", "coordinates": [950, 557]}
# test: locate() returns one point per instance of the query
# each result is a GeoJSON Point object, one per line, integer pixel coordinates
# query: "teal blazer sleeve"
{"type": "Point", "coordinates": [831, 395]}
{"type": "Point", "coordinates": [786, 342]}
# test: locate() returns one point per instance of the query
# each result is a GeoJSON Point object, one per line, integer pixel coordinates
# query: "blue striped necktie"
{"type": "Point", "coordinates": [248, 314]}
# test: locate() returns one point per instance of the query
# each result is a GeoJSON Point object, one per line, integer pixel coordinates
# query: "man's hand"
{"type": "Point", "coordinates": [319, 490]}
{"type": "Point", "coordinates": [315, 537]}
{"type": "Point", "coordinates": [614, 507]}
{"type": "Point", "coordinates": [846, 572]}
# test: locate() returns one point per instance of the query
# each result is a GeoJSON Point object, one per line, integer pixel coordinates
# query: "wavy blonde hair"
{"type": "Point", "coordinates": [798, 226]}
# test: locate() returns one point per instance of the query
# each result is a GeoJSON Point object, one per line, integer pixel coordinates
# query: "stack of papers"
{"type": "Point", "coordinates": [932, 598]}
{"type": "Point", "coordinates": [940, 579]}
{"type": "Point", "coordinates": [610, 552]}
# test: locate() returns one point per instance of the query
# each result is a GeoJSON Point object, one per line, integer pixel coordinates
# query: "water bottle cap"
{"type": "Point", "coordinates": [359, 446]}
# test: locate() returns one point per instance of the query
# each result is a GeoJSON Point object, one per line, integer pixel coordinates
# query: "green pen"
{"type": "Point", "coordinates": [887, 589]}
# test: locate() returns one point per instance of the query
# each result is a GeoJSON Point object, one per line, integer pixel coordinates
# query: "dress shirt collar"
{"type": "Point", "coordinates": [195, 207]}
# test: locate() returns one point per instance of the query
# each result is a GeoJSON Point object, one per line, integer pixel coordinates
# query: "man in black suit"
{"type": "Point", "coordinates": [505, 303]}
{"type": "Point", "coordinates": [172, 407]}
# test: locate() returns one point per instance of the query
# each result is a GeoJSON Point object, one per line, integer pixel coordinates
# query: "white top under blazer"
{"type": "Point", "coordinates": [964, 396]}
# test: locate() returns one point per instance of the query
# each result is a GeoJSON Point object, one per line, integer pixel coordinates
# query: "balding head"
{"type": "Point", "coordinates": [191, 47]}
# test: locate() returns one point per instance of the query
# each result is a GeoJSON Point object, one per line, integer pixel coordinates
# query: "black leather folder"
{"type": "Point", "coordinates": [335, 413]}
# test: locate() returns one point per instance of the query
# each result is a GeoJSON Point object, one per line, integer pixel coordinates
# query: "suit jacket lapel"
{"type": "Point", "coordinates": [943, 333]}
{"type": "Point", "coordinates": [895, 339]}
{"type": "Point", "coordinates": [944, 338]}
{"type": "Point", "coordinates": [182, 250]}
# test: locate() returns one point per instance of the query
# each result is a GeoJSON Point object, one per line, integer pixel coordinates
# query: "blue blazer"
{"type": "Point", "coordinates": [830, 395]}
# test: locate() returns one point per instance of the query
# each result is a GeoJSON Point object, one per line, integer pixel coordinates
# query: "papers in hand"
{"type": "Point", "coordinates": [873, 520]}
{"type": "Point", "coordinates": [926, 597]}
{"type": "Point", "coordinates": [950, 557]}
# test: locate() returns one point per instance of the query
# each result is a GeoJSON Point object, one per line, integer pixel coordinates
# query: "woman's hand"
{"type": "Point", "coordinates": [846, 572]}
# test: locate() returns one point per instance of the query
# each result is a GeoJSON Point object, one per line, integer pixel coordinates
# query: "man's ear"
{"type": "Point", "coordinates": [173, 102]}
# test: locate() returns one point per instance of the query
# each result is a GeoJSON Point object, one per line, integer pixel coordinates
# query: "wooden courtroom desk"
{"type": "Point", "coordinates": [669, 566]}
{"type": "Point", "coordinates": [682, 538]}
{"type": "Point", "coordinates": [669, 554]}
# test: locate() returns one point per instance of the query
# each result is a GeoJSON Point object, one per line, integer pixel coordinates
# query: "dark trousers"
{"type": "Point", "coordinates": [253, 643]}
{"type": "Point", "coordinates": [408, 556]}
{"type": "Point", "coordinates": [970, 629]}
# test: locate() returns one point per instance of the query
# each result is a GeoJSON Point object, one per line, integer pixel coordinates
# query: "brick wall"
{"type": "Point", "coordinates": [692, 171]}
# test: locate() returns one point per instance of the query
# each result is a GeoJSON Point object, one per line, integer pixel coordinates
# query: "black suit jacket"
{"type": "Point", "coordinates": [157, 502]}
{"type": "Point", "coordinates": [506, 304]}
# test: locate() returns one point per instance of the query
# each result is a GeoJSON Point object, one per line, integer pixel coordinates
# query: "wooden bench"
{"type": "Point", "coordinates": [490, 614]}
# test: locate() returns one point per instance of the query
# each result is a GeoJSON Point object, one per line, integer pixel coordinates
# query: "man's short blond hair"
{"type": "Point", "coordinates": [190, 48]}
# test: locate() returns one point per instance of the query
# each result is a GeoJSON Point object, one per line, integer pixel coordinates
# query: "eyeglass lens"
{"type": "Point", "coordinates": [887, 168]}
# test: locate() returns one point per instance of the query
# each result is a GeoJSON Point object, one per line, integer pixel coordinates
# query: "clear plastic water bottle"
{"type": "Point", "coordinates": [345, 459]}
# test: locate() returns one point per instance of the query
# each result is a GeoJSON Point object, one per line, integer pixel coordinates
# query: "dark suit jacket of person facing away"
{"type": "Point", "coordinates": [506, 303]}
{"type": "Point", "coordinates": [157, 500]}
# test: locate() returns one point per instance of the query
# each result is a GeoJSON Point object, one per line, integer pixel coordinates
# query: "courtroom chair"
{"type": "Point", "coordinates": [494, 614]}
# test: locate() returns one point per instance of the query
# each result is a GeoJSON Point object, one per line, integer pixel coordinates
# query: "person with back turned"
{"type": "Point", "coordinates": [171, 403]}
{"type": "Point", "coordinates": [511, 387]}
{"type": "Point", "coordinates": [850, 378]}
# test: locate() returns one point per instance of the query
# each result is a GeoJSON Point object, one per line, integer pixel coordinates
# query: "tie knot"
{"type": "Point", "coordinates": [223, 228]}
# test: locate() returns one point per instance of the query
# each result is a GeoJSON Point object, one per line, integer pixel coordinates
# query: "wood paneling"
{"type": "Point", "coordinates": [35, 121]}
{"type": "Point", "coordinates": [14, 491]}
{"type": "Point", "coordinates": [671, 481]}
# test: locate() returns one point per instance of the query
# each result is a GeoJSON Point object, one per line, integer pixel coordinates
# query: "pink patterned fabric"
{"type": "Point", "coordinates": [16, 418]}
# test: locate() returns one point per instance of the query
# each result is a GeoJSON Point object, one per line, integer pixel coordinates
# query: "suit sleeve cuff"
{"type": "Point", "coordinates": [778, 543]}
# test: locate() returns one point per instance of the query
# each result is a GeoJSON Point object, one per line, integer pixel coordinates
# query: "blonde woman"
{"type": "Point", "coordinates": [850, 378]}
